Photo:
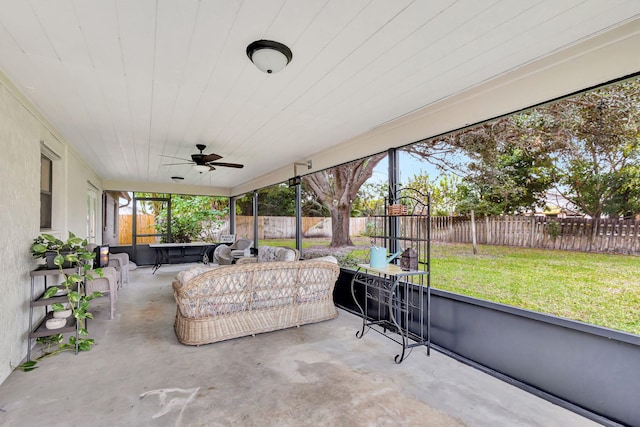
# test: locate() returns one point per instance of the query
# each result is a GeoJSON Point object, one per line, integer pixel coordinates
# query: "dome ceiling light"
{"type": "Point", "coordinates": [269, 56]}
{"type": "Point", "coordinates": [202, 168]}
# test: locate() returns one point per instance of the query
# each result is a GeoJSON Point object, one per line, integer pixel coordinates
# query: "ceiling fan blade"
{"type": "Point", "coordinates": [178, 158]}
{"type": "Point", "coordinates": [227, 165]}
{"type": "Point", "coordinates": [175, 164]}
{"type": "Point", "coordinates": [211, 158]}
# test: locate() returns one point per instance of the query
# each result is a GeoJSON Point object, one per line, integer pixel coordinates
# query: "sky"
{"type": "Point", "coordinates": [409, 166]}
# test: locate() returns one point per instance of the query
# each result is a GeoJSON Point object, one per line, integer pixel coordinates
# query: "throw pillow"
{"type": "Point", "coordinates": [188, 274]}
{"type": "Point", "coordinates": [285, 254]}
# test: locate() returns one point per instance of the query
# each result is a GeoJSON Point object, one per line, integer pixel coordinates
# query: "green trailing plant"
{"type": "Point", "coordinates": [74, 252]}
{"type": "Point", "coordinates": [350, 260]}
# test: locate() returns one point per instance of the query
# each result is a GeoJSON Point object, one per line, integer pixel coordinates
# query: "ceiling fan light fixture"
{"type": "Point", "coordinates": [201, 168]}
{"type": "Point", "coordinates": [269, 56]}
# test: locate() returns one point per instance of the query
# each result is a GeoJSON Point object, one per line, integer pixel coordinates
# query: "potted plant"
{"type": "Point", "coordinates": [64, 255]}
{"type": "Point", "coordinates": [48, 246]}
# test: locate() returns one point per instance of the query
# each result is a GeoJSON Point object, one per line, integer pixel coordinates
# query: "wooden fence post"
{"type": "Point", "coordinates": [486, 220]}
{"type": "Point", "coordinates": [473, 232]}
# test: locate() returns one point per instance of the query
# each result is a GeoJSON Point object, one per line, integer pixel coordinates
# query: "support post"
{"type": "Point", "coordinates": [394, 179]}
{"type": "Point", "coordinates": [232, 215]}
{"type": "Point", "coordinates": [299, 217]}
{"type": "Point", "coordinates": [255, 218]}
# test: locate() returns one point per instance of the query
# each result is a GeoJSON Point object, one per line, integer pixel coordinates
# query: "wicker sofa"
{"type": "Point", "coordinates": [223, 302]}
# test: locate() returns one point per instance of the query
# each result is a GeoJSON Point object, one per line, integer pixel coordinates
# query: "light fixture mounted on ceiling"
{"type": "Point", "coordinates": [269, 56]}
{"type": "Point", "coordinates": [308, 164]}
{"type": "Point", "coordinates": [202, 168]}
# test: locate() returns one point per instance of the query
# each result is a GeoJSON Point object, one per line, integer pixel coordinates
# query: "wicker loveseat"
{"type": "Point", "coordinates": [223, 302]}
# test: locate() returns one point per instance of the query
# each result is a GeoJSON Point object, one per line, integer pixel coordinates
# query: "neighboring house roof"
{"type": "Point", "coordinates": [557, 204]}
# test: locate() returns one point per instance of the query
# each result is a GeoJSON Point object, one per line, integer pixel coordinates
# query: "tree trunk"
{"type": "Point", "coordinates": [340, 217]}
{"type": "Point", "coordinates": [336, 188]}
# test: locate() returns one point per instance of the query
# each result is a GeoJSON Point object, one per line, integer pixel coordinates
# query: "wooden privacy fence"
{"type": "Point", "coordinates": [284, 227]}
{"type": "Point", "coordinates": [146, 225]}
{"type": "Point", "coordinates": [574, 234]}
{"type": "Point", "coordinates": [269, 227]}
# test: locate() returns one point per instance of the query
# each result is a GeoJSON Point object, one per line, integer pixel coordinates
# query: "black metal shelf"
{"type": "Point", "coordinates": [386, 304]}
{"type": "Point", "coordinates": [42, 331]}
{"type": "Point", "coordinates": [393, 301]}
{"type": "Point", "coordinates": [37, 300]}
{"type": "Point", "coordinates": [40, 301]}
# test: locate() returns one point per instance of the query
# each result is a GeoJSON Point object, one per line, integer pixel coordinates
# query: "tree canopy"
{"type": "Point", "coordinates": [598, 139]}
{"type": "Point", "coordinates": [193, 217]}
{"type": "Point", "coordinates": [587, 147]}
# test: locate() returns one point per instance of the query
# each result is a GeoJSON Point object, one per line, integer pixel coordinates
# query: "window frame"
{"type": "Point", "coordinates": [46, 192]}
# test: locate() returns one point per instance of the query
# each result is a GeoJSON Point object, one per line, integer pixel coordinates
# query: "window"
{"type": "Point", "coordinates": [92, 214]}
{"type": "Point", "coordinates": [548, 187]}
{"type": "Point", "coordinates": [337, 215]}
{"type": "Point", "coordinates": [46, 196]}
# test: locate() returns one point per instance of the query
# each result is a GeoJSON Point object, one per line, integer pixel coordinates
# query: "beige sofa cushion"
{"type": "Point", "coordinates": [329, 258]}
{"type": "Point", "coordinates": [276, 253]}
{"type": "Point", "coordinates": [185, 275]}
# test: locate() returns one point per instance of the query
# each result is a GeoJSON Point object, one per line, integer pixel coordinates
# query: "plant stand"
{"type": "Point", "coordinates": [397, 299]}
{"type": "Point", "coordinates": [37, 300]}
{"type": "Point", "coordinates": [390, 303]}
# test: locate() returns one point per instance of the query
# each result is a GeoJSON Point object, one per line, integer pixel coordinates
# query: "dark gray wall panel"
{"type": "Point", "coordinates": [593, 368]}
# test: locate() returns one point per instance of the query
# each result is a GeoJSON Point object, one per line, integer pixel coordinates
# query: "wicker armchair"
{"type": "Point", "coordinates": [107, 284]}
{"type": "Point", "coordinates": [226, 255]}
{"type": "Point", "coordinates": [118, 261]}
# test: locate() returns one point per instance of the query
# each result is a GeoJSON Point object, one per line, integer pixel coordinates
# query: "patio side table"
{"type": "Point", "coordinates": [396, 301]}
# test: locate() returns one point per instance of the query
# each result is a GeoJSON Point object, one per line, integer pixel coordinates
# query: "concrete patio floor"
{"type": "Point", "coordinates": [138, 374]}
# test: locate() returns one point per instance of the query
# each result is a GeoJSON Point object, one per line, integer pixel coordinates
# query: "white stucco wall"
{"type": "Point", "coordinates": [19, 223]}
{"type": "Point", "coordinates": [80, 177]}
{"type": "Point", "coordinates": [21, 132]}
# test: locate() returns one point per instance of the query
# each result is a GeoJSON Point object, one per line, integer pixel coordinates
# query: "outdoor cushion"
{"type": "Point", "coordinates": [275, 253]}
{"type": "Point", "coordinates": [188, 274]}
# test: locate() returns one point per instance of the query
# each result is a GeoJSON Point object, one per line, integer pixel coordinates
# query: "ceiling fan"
{"type": "Point", "coordinates": [204, 162]}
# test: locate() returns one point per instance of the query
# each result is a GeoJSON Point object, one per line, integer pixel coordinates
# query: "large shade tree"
{"type": "Point", "coordinates": [445, 193]}
{"type": "Point", "coordinates": [587, 146]}
{"type": "Point", "coordinates": [276, 200]}
{"type": "Point", "coordinates": [598, 139]}
{"type": "Point", "coordinates": [507, 168]}
{"type": "Point", "coordinates": [337, 187]}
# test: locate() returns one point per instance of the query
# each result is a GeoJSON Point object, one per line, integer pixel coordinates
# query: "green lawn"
{"type": "Point", "coordinates": [594, 288]}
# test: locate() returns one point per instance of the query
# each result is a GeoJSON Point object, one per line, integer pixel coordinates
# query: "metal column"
{"type": "Point", "coordinates": [299, 216]}
{"type": "Point", "coordinates": [232, 215]}
{"type": "Point", "coordinates": [255, 218]}
{"type": "Point", "coordinates": [394, 180]}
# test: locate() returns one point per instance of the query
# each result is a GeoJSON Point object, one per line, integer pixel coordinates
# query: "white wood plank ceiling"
{"type": "Point", "coordinates": [127, 82]}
